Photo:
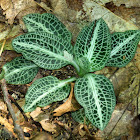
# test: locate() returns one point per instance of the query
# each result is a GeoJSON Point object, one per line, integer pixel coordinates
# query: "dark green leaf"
{"type": "Point", "coordinates": [45, 91]}
{"type": "Point", "coordinates": [20, 71]}
{"type": "Point", "coordinates": [93, 46]}
{"type": "Point", "coordinates": [96, 94]}
{"type": "Point", "coordinates": [46, 23]}
{"type": "Point", "coordinates": [45, 50]}
{"type": "Point", "coordinates": [124, 45]}
{"type": "Point", "coordinates": [79, 116]}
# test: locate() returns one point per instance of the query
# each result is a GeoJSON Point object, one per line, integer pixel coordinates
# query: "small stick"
{"type": "Point", "coordinates": [17, 127]}
{"type": "Point", "coordinates": [17, 105]}
{"type": "Point", "coordinates": [2, 46]}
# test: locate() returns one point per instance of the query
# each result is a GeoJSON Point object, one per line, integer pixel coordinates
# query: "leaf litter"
{"type": "Point", "coordinates": [125, 80]}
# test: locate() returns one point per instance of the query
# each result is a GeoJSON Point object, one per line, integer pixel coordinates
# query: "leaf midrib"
{"type": "Point", "coordinates": [39, 25]}
{"type": "Point", "coordinates": [59, 85]}
{"type": "Point", "coordinates": [18, 70]}
{"type": "Point", "coordinates": [93, 85]}
{"type": "Point", "coordinates": [117, 48]}
{"type": "Point", "coordinates": [92, 43]}
{"type": "Point", "coordinates": [38, 47]}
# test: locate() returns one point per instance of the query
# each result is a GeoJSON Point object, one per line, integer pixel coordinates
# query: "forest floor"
{"type": "Point", "coordinates": [43, 123]}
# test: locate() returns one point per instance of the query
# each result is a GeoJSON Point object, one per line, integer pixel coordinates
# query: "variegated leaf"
{"type": "Point", "coordinates": [20, 71]}
{"type": "Point", "coordinates": [93, 46]}
{"type": "Point", "coordinates": [124, 45]}
{"type": "Point", "coordinates": [96, 94]}
{"type": "Point", "coordinates": [46, 23]}
{"type": "Point", "coordinates": [45, 91]}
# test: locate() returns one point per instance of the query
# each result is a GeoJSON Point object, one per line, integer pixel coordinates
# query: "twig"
{"type": "Point", "coordinates": [17, 127]}
{"type": "Point", "coordinates": [17, 105]}
{"type": "Point", "coordinates": [2, 46]}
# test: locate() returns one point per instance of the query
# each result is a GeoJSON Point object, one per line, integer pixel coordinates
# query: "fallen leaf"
{"type": "Point", "coordinates": [8, 33]}
{"type": "Point", "coordinates": [2, 48]}
{"type": "Point", "coordinates": [5, 122]}
{"type": "Point", "coordinates": [4, 31]}
{"type": "Point", "coordinates": [5, 4]}
{"type": "Point", "coordinates": [13, 7]}
{"type": "Point", "coordinates": [70, 105]}
{"type": "Point", "coordinates": [95, 11]}
{"type": "Point", "coordinates": [9, 56]}
{"type": "Point", "coordinates": [64, 125]}
{"type": "Point", "coordinates": [20, 117]}
{"type": "Point", "coordinates": [50, 127]}
{"type": "Point", "coordinates": [128, 3]}
{"type": "Point", "coordinates": [81, 131]}
{"type": "Point", "coordinates": [46, 107]}
{"type": "Point", "coordinates": [35, 113]}
{"type": "Point", "coordinates": [74, 4]}
{"type": "Point", "coordinates": [134, 129]}
{"type": "Point", "coordinates": [3, 106]}
{"type": "Point", "coordinates": [44, 6]}
{"type": "Point", "coordinates": [43, 136]}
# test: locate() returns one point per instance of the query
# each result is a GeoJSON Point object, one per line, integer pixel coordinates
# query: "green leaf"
{"type": "Point", "coordinates": [45, 91]}
{"type": "Point", "coordinates": [79, 116]}
{"type": "Point", "coordinates": [93, 46]}
{"type": "Point", "coordinates": [96, 94]}
{"type": "Point", "coordinates": [45, 50]}
{"type": "Point", "coordinates": [19, 71]}
{"type": "Point", "coordinates": [124, 45]}
{"type": "Point", "coordinates": [46, 23]}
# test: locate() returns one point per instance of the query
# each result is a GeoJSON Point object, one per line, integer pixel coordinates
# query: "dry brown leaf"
{"type": "Point", "coordinates": [50, 127]}
{"type": "Point", "coordinates": [5, 4]}
{"type": "Point", "coordinates": [43, 136]}
{"type": "Point", "coordinates": [35, 113]}
{"type": "Point", "coordinates": [70, 105]}
{"type": "Point", "coordinates": [3, 106]}
{"type": "Point", "coordinates": [81, 131]}
{"type": "Point", "coordinates": [14, 7]}
{"type": "Point", "coordinates": [5, 122]}
{"type": "Point", "coordinates": [128, 3]}
{"type": "Point", "coordinates": [46, 107]}
{"type": "Point", "coordinates": [2, 48]}
{"type": "Point", "coordinates": [44, 6]}
{"type": "Point", "coordinates": [4, 31]}
{"type": "Point", "coordinates": [64, 125]}
{"type": "Point", "coordinates": [8, 33]}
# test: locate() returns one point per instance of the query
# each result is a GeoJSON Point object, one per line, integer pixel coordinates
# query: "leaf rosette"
{"type": "Point", "coordinates": [48, 45]}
